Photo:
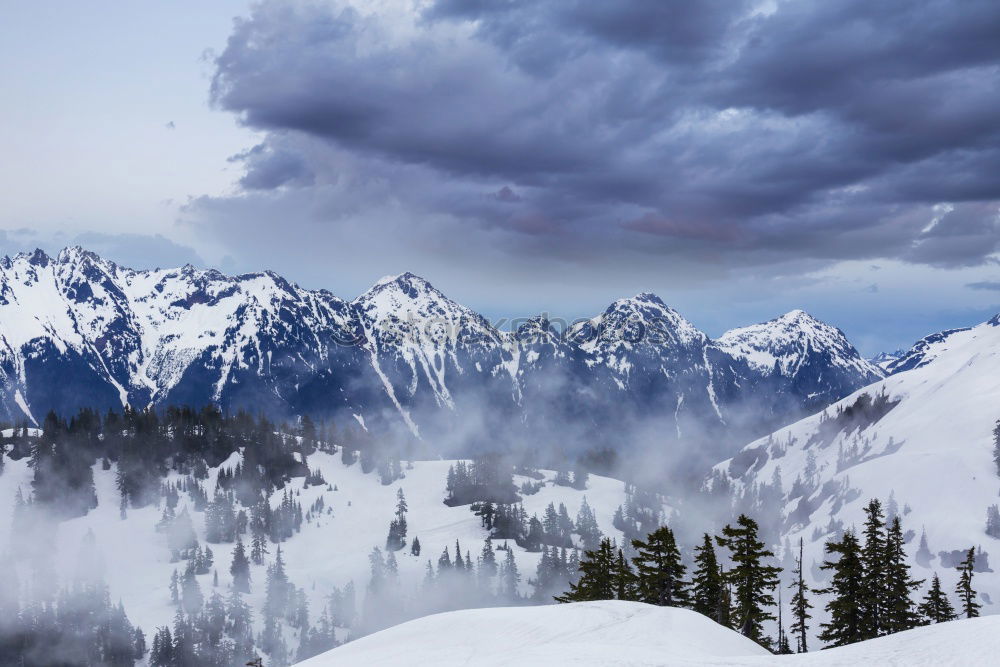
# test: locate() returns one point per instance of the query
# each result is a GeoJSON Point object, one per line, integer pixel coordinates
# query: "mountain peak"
{"type": "Point", "coordinates": [75, 254]}
{"type": "Point", "coordinates": [796, 314]}
{"type": "Point", "coordinates": [38, 258]}
{"type": "Point", "coordinates": [407, 281]}
{"type": "Point", "coordinates": [791, 341]}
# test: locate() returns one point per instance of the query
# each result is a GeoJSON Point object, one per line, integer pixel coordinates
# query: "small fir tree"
{"type": "Point", "coordinates": [966, 593]}
{"type": "Point", "coordinates": [936, 608]}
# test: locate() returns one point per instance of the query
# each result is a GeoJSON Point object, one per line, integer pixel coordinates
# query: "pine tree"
{"type": "Point", "coordinates": [874, 593]}
{"type": "Point", "coordinates": [138, 644]}
{"type": "Point", "coordinates": [800, 606]}
{"type": "Point", "coordinates": [845, 624]}
{"type": "Point", "coordinates": [710, 595]}
{"type": "Point", "coordinates": [624, 579]}
{"type": "Point", "coordinates": [487, 565]}
{"type": "Point", "coordinates": [964, 588]}
{"type": "Point", "coordinates": [936, 608]}
{"type": "Point", "coordinates": [240, 568]}
{"type": "Point", "coordinates": [660, 571]}
{"type": "Point", "coordinates": [175, 591]}
{"type": "Point", "coordinates": [597, 576]}
{"type": "Point", "coordinates": [996, 446]}
{"type": "Point", "coordinates": [782, 647]}
{"type": "Point", "coordinates": [509, 578]}
{"type": "Point", "coordinates": [900, 611]}
{"type": "Point", "coordinates": [415, 547]}
{"type": "Point", "coordinates": [752, 580]}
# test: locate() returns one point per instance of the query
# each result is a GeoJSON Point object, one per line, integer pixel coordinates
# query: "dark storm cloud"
{"type": "Point", "coordinates": [723, 130]}
{"type": "Point", "coordinates": [268, 168]}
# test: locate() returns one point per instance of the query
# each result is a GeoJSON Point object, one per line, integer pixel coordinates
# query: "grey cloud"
{"type": "Point", "coordinates": [694, 131]}
{"type": "Point", "coordinates": [139, 251]}
{"type": "Point", "coordinates": [991, 285]}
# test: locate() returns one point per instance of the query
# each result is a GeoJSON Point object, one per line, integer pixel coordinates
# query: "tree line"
{"type": "Point", "coordinates": [869, 594]}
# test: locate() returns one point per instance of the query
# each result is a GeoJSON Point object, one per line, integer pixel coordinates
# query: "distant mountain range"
{"type": "Point", "coordinates": [78, 330]}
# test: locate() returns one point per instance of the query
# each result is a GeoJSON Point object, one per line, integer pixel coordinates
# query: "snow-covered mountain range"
{"type": "Point", "coordinates": [78, 330]}
{"type": "Point", "coordinates": [921, 440]}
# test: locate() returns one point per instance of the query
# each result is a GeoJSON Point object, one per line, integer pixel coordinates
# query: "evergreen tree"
{"type": "Point", "coordinates": [415, 547]}
{"type": "Point", "coordinates": [191, 596]}
{"type": "Point", "coordinates": [710, 595]}
{"type": "Point", "coordinates": [660, 571]}
{"type": "Point", "coordinates": [240, 568]}
{"type": "Point", "coordinates": [597, 580]}
{"type": "Point", "coordinates": [175, 591]}
{"type": "Point", "coordinates": [586, 526]}
{"type": "Point", "coordinates": [874, 589]}
{"type": "Point", "coordinates": [138, 644]}
{"type": "Point", "coordinates": [487, 565]}
{"type": "Point", "coordinates": [624, 579]}
{"type": "Point", "coordinates": [936, 608]}
{"type": "Point", "coordinates": [509, 578]}
{"type": "Point", "coordinates": [996, 446]}
{"type": "Point", "coordinates": [845, 624]}
{"type": "Point", "coordinates": [751, 578]}
{"type": "Point", "coordinates": [782, 647]}
{"type": "Point", "coordinates": [800, 606]}
{"type": "Point", "coordinates": [964, 588]}
{"type": "Point", "coordinates": [900, 611]}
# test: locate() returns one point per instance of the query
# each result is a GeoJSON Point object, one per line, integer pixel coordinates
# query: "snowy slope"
{"type": "Point", "coordinates": [328, 552]}
{"type": "Point", "coordinates": [920, 440]}
{"type": "Point", "coordinates": [611, 632]}
{"type": "Point", "coordinates": [632, 634]}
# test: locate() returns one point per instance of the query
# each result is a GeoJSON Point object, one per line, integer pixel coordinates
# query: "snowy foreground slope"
{"type": "Point", "coordinates": [615, 633]}
{"type": "Point", "coordinates": [329, 552]}
{"type": "Point", "coordinates": [920, 440]}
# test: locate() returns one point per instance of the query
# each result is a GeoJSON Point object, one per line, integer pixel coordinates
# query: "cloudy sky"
{"type": "Point", "coordinates": [739, 158]}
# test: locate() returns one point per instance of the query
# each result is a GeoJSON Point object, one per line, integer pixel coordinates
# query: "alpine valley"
{"type": "Point", "coordinates": [201, 469]}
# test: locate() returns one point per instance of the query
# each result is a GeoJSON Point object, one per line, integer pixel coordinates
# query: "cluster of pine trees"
{"type": "Point", "coordinates": [487, 478]}
{"type": "Point", "coordinates": [77, 625]}
{"type": "Point", "coordinates": [456, 580]}
{"type": "Point", "coordinates": [219, 630]}
{"type": "Point", "coordinates": [871, 586]}
{"type": "Point", "coordinates": [507, 521]}
{"type": "Point", "coordinates": [146, 444]}
{"type": "Point", "coordinates": [870, 590]}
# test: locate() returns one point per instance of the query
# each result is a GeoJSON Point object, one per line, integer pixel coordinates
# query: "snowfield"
{"type": "Point", "coordinates": [610, 632]}
{"type": "Point", "coordinates": [327, 553]}
{"type": "Point", "coordinates": [614, 633]}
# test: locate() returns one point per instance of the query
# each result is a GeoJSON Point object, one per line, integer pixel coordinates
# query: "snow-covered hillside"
{"type": "Point", "coordinates": [331, 550]}
{"type": "Point", "coordinates": [632, 634]}
{"type": "Point", "coordinates": [920, 440]}
{"type": "Point", "coordinates": [77, 330]}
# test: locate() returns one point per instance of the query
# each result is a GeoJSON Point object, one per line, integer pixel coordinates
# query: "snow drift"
{"type": "Point", "coordinates": [610, 633]}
